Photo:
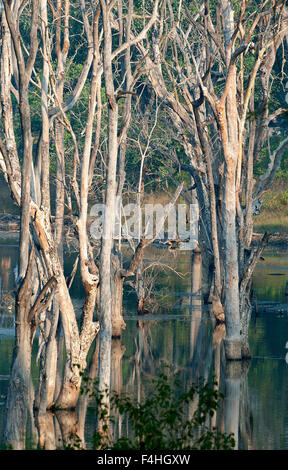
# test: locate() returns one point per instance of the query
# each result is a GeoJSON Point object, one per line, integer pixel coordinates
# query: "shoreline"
{"type": "Point", "coordinates": [9, 231]}
{"type": "Point", "coordinates": [276, 240]}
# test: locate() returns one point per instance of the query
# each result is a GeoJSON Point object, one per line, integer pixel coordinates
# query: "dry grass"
{"type": "Point", "coordinates": [271, 221]}
{"type": "Point", "coordinates": [274, 213]}
{"type": "Point", "coordinates": [273, 217]}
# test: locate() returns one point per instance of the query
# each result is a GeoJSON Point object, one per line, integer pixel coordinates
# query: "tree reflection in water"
{"type": "Point", "coordinates": [135, 360]}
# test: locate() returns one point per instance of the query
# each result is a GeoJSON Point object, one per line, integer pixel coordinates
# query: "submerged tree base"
{"type": "Point", "coordinates": [233, 349]}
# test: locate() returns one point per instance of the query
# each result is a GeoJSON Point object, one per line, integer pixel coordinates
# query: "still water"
{"type": "Point", "coordinates": [179, 333]}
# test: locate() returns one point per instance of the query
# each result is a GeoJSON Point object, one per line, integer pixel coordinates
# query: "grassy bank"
{"type": "Point", "coordinates": [274, 213]}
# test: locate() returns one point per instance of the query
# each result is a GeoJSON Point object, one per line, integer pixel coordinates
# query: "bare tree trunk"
{"type": "Point", "coordinates": [108, 225]}
{"type": "Point", "coordinates": [140, 288]}
{"type": "Point", "coordinates": [49, 352]}
{"type": "Point", "coordinates": [39, 232]}
{"type": "Point", "coordinates": [118, 324]}
{"type": "Point", "coordinates": [228, 121]}
{"type": "Point", "coordinates": [233, 327]}
{"type": "Point", "coordinates": [19, 391]}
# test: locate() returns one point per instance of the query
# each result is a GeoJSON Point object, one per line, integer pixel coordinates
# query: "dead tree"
{"type": "Point", "coordinates": [43, 275]}
{"type": "Point", "coordinates": [221, 142]}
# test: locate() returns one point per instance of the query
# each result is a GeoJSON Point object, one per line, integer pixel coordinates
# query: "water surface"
{"type": "Point", "coordinates": [174, 335]}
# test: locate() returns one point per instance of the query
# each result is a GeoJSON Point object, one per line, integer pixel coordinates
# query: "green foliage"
{"type": "Point", "coordinates": [276, 200]}
{"type": "Point", "coordinates": [160, 421]}
{"type": "Point", "coordinates": [274, 213]}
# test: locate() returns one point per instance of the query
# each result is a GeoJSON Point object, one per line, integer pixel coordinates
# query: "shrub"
{"type": "Point", "coordinates": [160, 421]}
